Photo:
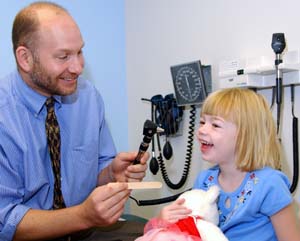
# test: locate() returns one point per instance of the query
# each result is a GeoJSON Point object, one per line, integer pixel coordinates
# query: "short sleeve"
{"type": "Point", "coordinates": [277, 193]}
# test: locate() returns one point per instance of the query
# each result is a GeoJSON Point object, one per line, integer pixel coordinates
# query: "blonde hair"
{"type": "Point", "coordinates": [257, 145]}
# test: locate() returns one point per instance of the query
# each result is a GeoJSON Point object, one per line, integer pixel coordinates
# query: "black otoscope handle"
{"type": "Point", "coordinates": [142, 149]}
{"type": "Point", "coordinates": [150, 128]}
{"type": "Point", "coordinates": [278, 80]}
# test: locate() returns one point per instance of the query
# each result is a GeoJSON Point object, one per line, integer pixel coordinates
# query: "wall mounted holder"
{"type": "Point", "coordinates": [259, 72]}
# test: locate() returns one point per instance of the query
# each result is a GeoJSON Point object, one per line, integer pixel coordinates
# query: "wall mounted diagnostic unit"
{"type": "Point", "coordinates": [190, 89]}
{"type": "Point", "coordinates": [259, 72]}
{"type": "Point", "coordinates": [192, 83]}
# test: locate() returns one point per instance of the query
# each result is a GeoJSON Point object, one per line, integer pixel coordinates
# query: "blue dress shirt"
{"type": "Point", "coordinates": [26, 178]}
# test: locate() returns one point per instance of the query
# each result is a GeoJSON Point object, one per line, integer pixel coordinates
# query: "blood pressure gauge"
{"type": "Point", "coordinates": [188, 83]}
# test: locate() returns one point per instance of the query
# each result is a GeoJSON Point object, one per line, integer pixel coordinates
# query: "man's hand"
{"type": "Point", "coordinates": [105, 204]}
{"type": "Point", "coordinates": [124, 171]}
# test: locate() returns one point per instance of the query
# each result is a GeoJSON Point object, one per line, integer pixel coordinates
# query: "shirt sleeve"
{"type": "Point", "coordinates": [11, 192]}
{"type": "Point", "coordinates": [106, 144]}
{"type": "Point", "coordinates": [14, 216]}
{"type": "Point", "coordinates": [277, 193]}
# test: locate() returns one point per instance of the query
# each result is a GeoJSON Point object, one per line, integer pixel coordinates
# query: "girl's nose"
{"type": "Point", "coordinates": [202, 130]}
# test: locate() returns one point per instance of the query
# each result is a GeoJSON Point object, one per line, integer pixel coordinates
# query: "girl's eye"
{"type": "Point", "coordinates": [202, 122]}
{"type": "Point", "coordinates": [216, 125]}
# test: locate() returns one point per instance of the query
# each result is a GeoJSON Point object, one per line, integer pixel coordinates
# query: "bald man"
{"type": "Point", "coordinates": [65, 199]}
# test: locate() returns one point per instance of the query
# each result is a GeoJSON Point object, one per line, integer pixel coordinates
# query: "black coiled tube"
{"type": "Point", "coordinates": [157, 201]}
{"type": "Point", "coordinates": [189, 152]}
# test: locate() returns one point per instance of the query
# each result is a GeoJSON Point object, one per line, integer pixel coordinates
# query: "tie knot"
{"type": "Point", "coordinates": [49, 103]}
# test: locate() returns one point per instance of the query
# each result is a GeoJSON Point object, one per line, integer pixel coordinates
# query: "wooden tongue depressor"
{"type": "Point", "coordinates": [142, 185]}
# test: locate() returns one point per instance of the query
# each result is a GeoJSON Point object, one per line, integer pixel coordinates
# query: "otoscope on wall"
{"type": "Point", "coordinates": [278, 45]}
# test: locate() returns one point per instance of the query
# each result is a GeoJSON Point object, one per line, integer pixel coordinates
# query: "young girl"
{"type": "Point", "coordinates": [238, 136]}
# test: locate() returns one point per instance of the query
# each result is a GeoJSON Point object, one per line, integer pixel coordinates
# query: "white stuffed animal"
{"type": "Point", "coordinates": [204, 215]}
{"type": "Point", "coordinates": [204, 205]}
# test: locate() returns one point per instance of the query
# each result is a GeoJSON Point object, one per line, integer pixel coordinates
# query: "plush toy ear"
{"type": "Point", "coordinates": [213, 193]}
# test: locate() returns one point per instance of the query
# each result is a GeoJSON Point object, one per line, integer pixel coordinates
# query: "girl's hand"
{"type": "Point", "coordinates": [175, 211]}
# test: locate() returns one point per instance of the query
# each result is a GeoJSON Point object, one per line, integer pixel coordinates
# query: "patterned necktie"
{"type": "Point", "coordinates": [53, 137]}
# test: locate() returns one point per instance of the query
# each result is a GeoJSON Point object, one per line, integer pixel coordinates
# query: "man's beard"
{"type": "Point", "coordinates": [45, 82]}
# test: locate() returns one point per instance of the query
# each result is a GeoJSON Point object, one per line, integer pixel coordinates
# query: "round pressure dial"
{"type": "Point", "coordinates": [188, 83]}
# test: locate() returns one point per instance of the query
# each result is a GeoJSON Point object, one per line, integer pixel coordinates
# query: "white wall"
{"type": "Point", "coordinates": [160, 34]}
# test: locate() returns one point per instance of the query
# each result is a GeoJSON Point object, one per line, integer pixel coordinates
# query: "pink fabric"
{"type": "Point", "coordinates": [160, 230]}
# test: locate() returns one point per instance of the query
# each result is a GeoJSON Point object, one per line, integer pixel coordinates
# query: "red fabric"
{"type": "Point", "coordinates": [160, 230]}
{"type": "Point", "coordinates": [188, 225]}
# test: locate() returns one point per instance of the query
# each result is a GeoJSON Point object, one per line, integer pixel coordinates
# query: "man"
{"type": "Point", "coordinates": [53, 176]}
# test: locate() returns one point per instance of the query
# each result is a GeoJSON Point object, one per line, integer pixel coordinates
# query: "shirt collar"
{"type": "Point", "coordinates": [32, 99]}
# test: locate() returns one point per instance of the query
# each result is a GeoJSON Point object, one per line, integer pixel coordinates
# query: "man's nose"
{"type": "Point", "coordinates": [76, 65]}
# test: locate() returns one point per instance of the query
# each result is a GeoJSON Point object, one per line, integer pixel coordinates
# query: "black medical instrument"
{"type": "Point", "coordinates": [192, 81]}
{"type": "Point", "coordinates": [188, 160]}
{"type": "Point", "coordinates": [168, 118]}
{"type": "Point", "coordinates": [159, 200]}
{"type": "Point", "coordinates": [278, 45]}
{"type": "Point", "coordinates": [160, 160]}
{"type": "Point", "coordinates": [168, 115]}
{"type": "Point", "coordinates": [153, 162]}
{"type": "Point", "coordinates": [273, 97]}
{"type": "Point", "coordinates": [150, 128]}
{"type": "Point", "coordinates": [167, 149]}
{"type": "Point", "coordinates": [295, 145]}
{"type": "Point", "coordinates": [190, 89]}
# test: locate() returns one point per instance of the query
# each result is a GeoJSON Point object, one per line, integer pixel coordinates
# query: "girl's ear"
{"type": "Point", "coordinates": [24, 58]}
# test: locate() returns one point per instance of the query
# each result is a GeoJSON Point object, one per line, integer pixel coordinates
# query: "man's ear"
{"type": "Point", "coordinates": [24, 58]}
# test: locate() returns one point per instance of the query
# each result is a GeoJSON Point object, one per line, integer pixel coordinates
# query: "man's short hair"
{"type": "Point", "coordinates": [26, 24]}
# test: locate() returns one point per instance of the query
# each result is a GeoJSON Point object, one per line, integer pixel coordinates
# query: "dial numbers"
{"type": "Point", "coordinates": [188, 83]}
